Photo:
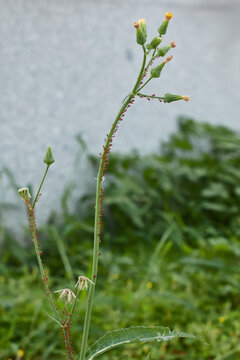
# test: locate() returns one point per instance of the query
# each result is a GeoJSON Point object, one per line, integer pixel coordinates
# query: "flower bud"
{"type": "Point", "coordinates": [24, 193]}
{"type": "Point", "coordinates": [163, 28]}
{"type": "Point", "coordinates": [162, 51]}
{"type": "Point", "coordinates": [170, 97]}
{"type": "Point", "coordinates": [154, 43]}
{"type": "Point", "coordinates": [49, 157]}
{"type": "Point", "coordinates": [156, 71]}
{"type": "Point", "coordinates": [141, 31]}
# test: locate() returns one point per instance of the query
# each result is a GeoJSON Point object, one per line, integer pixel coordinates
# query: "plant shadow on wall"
{"type": "Point", "coordinates": [174, 218]}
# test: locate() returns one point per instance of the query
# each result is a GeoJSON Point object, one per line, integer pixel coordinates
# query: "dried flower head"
{"type": "Point", "coordinates": [24, 193]}
{"type": "Point", "coordinates": [82, 282]}
{"type": "Point", "coordinates": [173, 44]}
{"type": "Point", "coordinates": [169, 58]}
{"type": "Point", "coordinates": [67, 294]}
{"type": "Point", "coordinates": [186, 97]}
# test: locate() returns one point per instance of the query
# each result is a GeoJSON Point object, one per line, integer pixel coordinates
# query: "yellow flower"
{"type": "Point", "coordinates": [168, 15]}
{"type": "Point", "coordinates": [145, 348]}
{"type": "Point", "coordinates": [149, 285]}
{"type": "Point", "coordinates": [142, 21]}
{"type": "Point", "coordinates": [20, 354]}
{"type": "Point", "coordinates": [115, 276]}
{"type": "Point", "coordinates": [222, 319]}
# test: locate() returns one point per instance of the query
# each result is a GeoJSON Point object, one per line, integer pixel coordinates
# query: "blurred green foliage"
{"type": "Point", "coordinates": [170, 253]}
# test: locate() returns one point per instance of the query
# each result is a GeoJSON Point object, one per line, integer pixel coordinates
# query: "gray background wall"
{"type": "Point", "coordinates": [67, 64]}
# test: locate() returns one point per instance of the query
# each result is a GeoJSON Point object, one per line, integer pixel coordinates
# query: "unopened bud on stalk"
{"type": "Point", "coordinates": [49, 157]}
{"type": "Point", "coordinates": [171, 97]}
{"type": "Point", "coordinates": [169, 58]}
{"type": "Point", "coordinates": [156, 71]}
{"type": "Point", "coordinates": [24, 193]}
{"type": "Point", "coordinates": [162, 51]}
{"type": "Point", "coordinates": [141, 31]}
{"type": "Point", "coordinates": [163, 28]}
{"type": "Point", "coordinates": [154, 43]}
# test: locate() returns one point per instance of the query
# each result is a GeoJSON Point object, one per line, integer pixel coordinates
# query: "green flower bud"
{"type": "Point", "coordinates": [163, 28]}
{"type": "Point", "coordinates": [170, 97]}
{"type": "Point", "coordinates": [156, 71]}
{"type": "Point", "coordinates": [162, 51]}
{"type": "Point", "coordinates": [141, 31]}
{"type": "Point", "coordinates": [154, 43]}
{"type": "Point", "coordinates": [49, 157]}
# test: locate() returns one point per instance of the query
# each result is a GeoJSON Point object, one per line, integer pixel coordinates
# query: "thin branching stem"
{"type": "Point", "coordinates": [39, 189]}
{"type": "Point", "coordinates": [97, 225]}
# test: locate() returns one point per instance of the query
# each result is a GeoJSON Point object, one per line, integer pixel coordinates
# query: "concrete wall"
{"type": "Point", "coordinates": [67, 64]}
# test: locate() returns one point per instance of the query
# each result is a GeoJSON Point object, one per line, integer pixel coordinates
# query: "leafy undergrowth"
{"type": "Point", "coordinates": [170, 254]}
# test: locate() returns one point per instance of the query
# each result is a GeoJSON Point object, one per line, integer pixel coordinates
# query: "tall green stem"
{"type": "Point", "coordinates": [98, 212]}
{"type": "Point", "coordinates": [45, 174]}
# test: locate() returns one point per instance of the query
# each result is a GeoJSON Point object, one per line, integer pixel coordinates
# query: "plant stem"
{"type": "Point", "coordinates": [73, 307]}
{"type": "Point", "coordinates": [99, 191]}
{"type": "Point", "coordinates": [67, 343]}
{"type": "Point", "coordinates": [45, 174]}
{"type": "Point", "coordinates": [33, 229]}
{"type": "Point", "coordinates": [151, 96]}
{"type": "Point", "coordinates": [145, 84]}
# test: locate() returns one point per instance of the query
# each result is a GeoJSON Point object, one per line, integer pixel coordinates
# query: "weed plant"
{"type": "Point", "coordinates": [62, 314]}
{"type": "Point", "coordinates": [184, 272]}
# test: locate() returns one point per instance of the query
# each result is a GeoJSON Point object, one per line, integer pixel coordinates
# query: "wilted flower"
{"type": "Point", "coordinates": [67, 294]}
{"type": "Point", "coordinates": [24, 193]}
{"type": "Point", "coordinates": [82, 282]}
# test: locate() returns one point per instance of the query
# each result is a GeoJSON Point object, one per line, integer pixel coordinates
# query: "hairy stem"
{"type": "Point", "coordinates": [98, 208]}
{"type": "Point", "coordinates": [151, 96]}
{"type": "Point", "coordinates": [32, 225]}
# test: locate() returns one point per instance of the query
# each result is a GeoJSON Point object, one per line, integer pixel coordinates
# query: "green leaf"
{"type": "Point", "coordinates": [132, 334]}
